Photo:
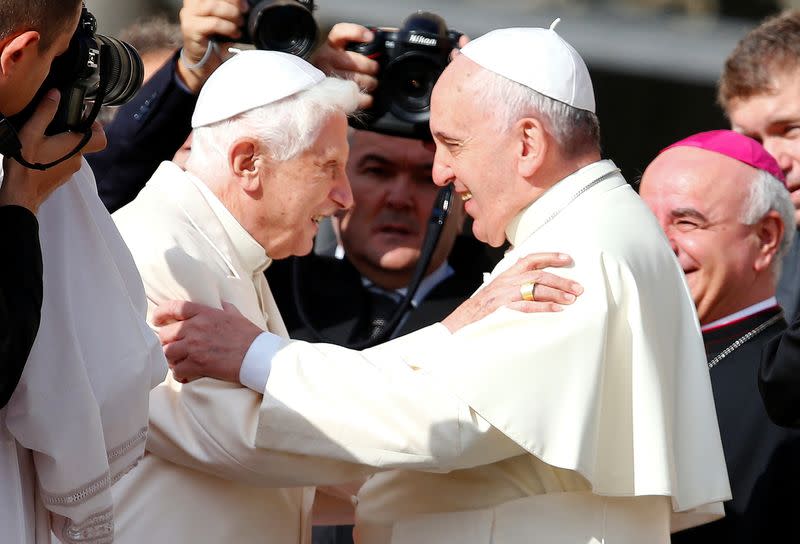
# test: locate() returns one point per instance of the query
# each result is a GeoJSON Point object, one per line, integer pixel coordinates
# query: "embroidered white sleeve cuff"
{"type": "Point", "coordinates": [257, 361]}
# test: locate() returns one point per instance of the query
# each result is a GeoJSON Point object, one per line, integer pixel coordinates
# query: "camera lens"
{"type": "Point", "coordinates": [126, 71]}
{"type": "Point", "coordinates": [285, 26]}
{"type": "Point", "coordinates": [409, 82]}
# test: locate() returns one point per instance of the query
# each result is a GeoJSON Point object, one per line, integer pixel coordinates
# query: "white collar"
{"type": "Point", "coordinates": [741, 314]}
{"type": "Point", "coordinates": [555, 199]}
{"type": "Point", "coordinates": [249, 252]}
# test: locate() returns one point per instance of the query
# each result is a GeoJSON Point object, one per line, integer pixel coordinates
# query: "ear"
{"type": "Point", "coordinates": [15, 49]}
{"type": "Point", "coordinates": [245, 161]}
{"type": "Point", "coordinates": [532, 145]}
{"type": "Point", "coordinates": [770, 233]}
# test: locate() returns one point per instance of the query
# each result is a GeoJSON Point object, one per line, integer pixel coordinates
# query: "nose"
{"type": "Point", "coordinates": [342, 193]}
{"type": "Point", "coordinates": [442, 172]}
{"type": "Point", "coordinates": [399, 192]}
{"type": "Point", "coordinates": [777, 148]}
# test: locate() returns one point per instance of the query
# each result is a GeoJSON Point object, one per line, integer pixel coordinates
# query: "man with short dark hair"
{"type": "Point", "coordinates": [77, 420]}
{"type": "Point", "coordinates": [760, 93]}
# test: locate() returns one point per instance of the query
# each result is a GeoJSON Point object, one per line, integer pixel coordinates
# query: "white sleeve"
{"type": "Point", "coordinates": [257, 361]}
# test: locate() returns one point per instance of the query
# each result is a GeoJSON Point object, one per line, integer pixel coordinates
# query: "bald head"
{"type": "Point", "coordinates": [726, 223]}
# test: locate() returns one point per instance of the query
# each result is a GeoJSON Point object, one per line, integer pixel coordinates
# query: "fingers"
{"type": "Point", "coordinates": [172, 311]}
{"type": "Point", "coordinates": [42, 116]}
{"type": "Point", "coordinates": [536, 261]}
{"type": "Point", "coordinates": [98, 140]}
{"type": "Point", "coordinates": [343, 33]}
{"type": "Point", "coordinates": [547, 282]}
{"type": "Point", "coordinates": [535, 307]}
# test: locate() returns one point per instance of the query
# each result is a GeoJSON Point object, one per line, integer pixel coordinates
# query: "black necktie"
{"type": "Point", "coordinates": [382, 306]}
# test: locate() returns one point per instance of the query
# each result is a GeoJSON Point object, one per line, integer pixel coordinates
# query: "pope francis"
{"type": "Point", "coordinates": [593, 424]}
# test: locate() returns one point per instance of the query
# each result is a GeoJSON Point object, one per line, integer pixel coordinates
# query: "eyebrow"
{"type": "Point", "coordinates": [687, 212]}
{"type": "Point", "coordinates": [372, 157]}
{"type": "Point", "coordinates": [383, 161]}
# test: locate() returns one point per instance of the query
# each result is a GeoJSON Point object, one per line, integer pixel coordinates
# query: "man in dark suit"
{"type": "Point", "coordinates": [730, 220]}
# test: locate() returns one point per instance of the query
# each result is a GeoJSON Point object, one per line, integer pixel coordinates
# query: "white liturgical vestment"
{"type": "Point", "coordinates": [189, 247]}
{"type": "Point", "coordinates": [594, 424]}
{"type": "Point", "coordinates": [77, 421]}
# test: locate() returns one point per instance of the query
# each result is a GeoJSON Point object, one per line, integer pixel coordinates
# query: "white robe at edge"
{"type": "Point", "coordinates": [77, 421]}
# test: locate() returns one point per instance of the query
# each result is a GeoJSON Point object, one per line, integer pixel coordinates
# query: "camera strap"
{"type": "Point", "coordinates": [439, 213]}
{"type": "Point", "coordinates": [11, 146]}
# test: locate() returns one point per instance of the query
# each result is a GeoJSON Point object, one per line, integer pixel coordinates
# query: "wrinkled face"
{"type": "Point", "coordinates": [394, 195]}
{"type": "Point", "coordinates": [34, 69]}
{"type": "Point", "coordinates": [773, 119]}
{"type": "Point", "coordinates": [698, 197]}
{"type": "Point", "coordinates": [472, 154]}
{"type": "Point", "coordinates": [299, 192]}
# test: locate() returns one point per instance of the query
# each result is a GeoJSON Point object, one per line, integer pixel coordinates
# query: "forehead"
{"type": "Point", "coordinates": [392, 149]}
{"type": "Point", "coordinates": [687, 177]}
{"type": "Point", "coordinates": [453, 100]}
{"type": "Point", "coordinates": [780, 104]}
{"type": "Point", "coordinates": [332, 138]}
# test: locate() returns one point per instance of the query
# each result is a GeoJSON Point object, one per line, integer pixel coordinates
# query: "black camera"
{"type": "Point", "coordinates": [411, 59]}
{"type": "Point", "coordinates": [95, 68]}
{"type": "Point", "coordinates": [281, 25]}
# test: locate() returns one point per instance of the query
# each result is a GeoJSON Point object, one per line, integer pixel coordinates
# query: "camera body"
{"type": "Point", "coordinates": [94, 68]}
{"type": "Point", "coordinates": [281, 25]}
{"type": "Point", "coordinates": [411, 59]}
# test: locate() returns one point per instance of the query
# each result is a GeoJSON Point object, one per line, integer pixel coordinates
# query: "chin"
{"type": "Point", "coordinates": [399, 259]}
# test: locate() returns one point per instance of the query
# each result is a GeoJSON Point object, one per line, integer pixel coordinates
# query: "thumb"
{"type": "Point", "coordinates": [172, 311]}
{"type": "Point", "coordinates": [228, 307]}
{"type": "Point", "coordinates": [44, 113]}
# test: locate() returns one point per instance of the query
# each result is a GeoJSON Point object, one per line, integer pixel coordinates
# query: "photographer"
{"type": "Point", "coordinates": [77, 418]}
{"type": "Point", "coordinates": [25, 57]}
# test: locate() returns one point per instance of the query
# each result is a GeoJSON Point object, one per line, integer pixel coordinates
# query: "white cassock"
{"type": "Point", "coordinates": [594, 424]}
{"type": "Point", "coordinates": [77, 421]}
{"type": "Point", "coordinates": [188, 246]}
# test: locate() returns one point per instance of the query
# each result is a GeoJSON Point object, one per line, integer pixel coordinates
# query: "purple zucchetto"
{"type": "Point", "coordinates": [736, 146]}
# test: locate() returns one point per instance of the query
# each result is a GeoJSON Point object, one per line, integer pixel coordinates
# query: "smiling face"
{"type": "Point", "coordinates": [698, 198]}
{"type": "Point", "coordinates": [394, 194]}
{"type": "Point", "coordinates": [773, 119]}
{"type": "Point", "coordinates": [295, 194]}
{"type": "Point", "coordinates": [472, 154]}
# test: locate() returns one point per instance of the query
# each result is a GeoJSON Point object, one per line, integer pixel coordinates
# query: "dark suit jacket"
{"type": "Point", "coordinates": [20, 293]}
{"type": "Point", "coordinates": [146, 131]}
{"type": "Point", "coordinates": [761, 458]}
{"type": "Point", "coordinates": [779, 377]}
{"type": "Point", "coordinates": [337, 304]}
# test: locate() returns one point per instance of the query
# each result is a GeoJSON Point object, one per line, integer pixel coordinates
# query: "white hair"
{"type": "Point", "coordinates": [286, 127]}
{"type": "Point", "coordinates": [576, 130]}
{"type": "Point", "coordinates": [767, 193]}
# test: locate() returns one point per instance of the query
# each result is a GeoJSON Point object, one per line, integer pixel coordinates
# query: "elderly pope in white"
{"type": "Point", "coordinates": [594, 424]}
{"type": "Point", "coordinates": [267, 161]}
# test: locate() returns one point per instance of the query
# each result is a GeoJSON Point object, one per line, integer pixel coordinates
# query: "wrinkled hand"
{"type": "Point", "coordinates": [29, 188]}
{"type": "Point", "coordinates": [201, 341]}
{"type": "Point", "coordinates": [550, 291]}
{"type": "Point", "coordinates": [201, 20]}
{"type": "Point", "coordinates": [334, 60]}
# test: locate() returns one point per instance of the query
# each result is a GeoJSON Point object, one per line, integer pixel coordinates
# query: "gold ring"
{"type": "Point", "coordinates": [526, 290]}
